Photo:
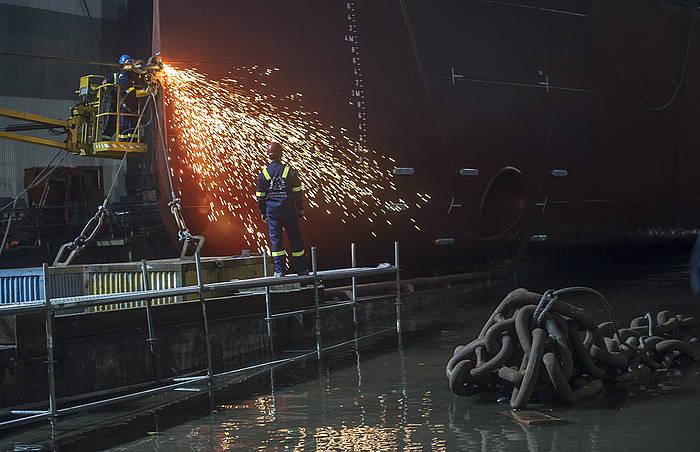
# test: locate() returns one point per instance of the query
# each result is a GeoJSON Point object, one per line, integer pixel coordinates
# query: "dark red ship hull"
{"type": "Point", "coordinates": [537, 122]}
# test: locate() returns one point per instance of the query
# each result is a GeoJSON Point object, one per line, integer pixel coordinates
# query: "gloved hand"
{"type": "Point", "coordinates": [263, 217]}
{"type": "Point", "coordinates": [300, 213]}
{"type": "Point", "coordinates": [152, 88]}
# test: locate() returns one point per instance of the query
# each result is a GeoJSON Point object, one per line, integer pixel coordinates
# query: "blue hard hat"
{"type": "Point", "coordinates": [124, 59]}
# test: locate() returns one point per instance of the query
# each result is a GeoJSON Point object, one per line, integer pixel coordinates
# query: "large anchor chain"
{"type": "Point", "coordinates": [538, 345]}
{"type": "Point", "coordinates": [183, 234]}
{"type": "Point", "coordinates": [71, 249]}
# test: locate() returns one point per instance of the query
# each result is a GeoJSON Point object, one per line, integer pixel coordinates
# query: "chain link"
{"type": "Point", "coordinates": [578, 356]}
{"type": "Point", "coordinates": [90, 230]}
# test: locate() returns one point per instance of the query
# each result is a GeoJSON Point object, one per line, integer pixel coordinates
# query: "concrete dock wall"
{"type": "Point", "coordinates": [100, 352]}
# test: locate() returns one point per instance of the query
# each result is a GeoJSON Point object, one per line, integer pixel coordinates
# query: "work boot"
{"type": "Point", "coordinates": [300, 266]}
{"type": "Point", "coordinates": [280, 266]}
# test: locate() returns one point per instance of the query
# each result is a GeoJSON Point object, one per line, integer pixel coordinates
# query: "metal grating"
{"type": "Point", "coordinates": [131, 281]}
{"type": "Point", "coordinates": [17, 286]}
{"type": "Point", "coordinates": [23, 285]}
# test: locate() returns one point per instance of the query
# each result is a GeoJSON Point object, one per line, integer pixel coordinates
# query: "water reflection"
{"type": "Point", "coordinates": [397, 401]}
{"type": "Point", "coordinates": [325, 413]}
{"type": "Point", "coordinates": [390, 393]}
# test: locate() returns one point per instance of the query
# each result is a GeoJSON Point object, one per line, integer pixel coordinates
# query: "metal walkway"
{"type": "Point", "coordinates": [49, 306]}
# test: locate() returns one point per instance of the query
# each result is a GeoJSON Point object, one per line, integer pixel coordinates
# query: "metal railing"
{"type": "Point", "coordinates": [50, 305]}
{"type": "Point", "coordinates": [108, 110]}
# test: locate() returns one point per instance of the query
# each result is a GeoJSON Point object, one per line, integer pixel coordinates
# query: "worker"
{"type": "Point", "coordinates": [131, 87]}
{"type": "Point", "coordinates": [281, 203]}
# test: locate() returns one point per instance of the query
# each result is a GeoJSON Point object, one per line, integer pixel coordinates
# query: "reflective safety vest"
{"type": "Point", "coordinates": [277, 188]}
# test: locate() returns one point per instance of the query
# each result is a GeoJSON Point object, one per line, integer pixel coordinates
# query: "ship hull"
{"type": "Point", "coordinates": [524, 124]}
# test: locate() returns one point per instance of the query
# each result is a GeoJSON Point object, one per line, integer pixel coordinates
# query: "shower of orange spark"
{"type": "Point", "coordinates": [222, 129]}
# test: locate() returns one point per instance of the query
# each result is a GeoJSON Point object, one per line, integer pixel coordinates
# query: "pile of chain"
{"type": "Point", "coordinates": [529, 331]}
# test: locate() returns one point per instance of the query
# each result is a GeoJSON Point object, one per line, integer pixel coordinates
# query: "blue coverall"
{"type": "Point", "coordinates": [280, 201]}
{"type": "Point", "coordinates": [128, 104]}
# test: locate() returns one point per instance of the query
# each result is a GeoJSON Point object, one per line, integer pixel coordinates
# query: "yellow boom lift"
{"type": "Point", "coordinates": [99, 106]}
{"type": "Point", "coordinates": [88, 120]}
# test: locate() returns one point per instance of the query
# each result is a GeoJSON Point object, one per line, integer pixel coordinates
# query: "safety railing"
{"type": "Point", "coordinates": [49, 306]}
{"type": "Point", "coordinates": [109, 113]}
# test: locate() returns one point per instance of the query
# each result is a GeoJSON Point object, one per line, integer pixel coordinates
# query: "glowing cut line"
{"type": "Point", "coordinates": [222, 128]}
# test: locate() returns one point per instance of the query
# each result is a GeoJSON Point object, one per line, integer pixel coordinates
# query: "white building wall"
{"type": "Point", "coordinates": [34, 36]}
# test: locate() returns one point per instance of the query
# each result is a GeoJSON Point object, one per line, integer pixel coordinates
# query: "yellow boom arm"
{"type": "Point", "coordinates": [85, 129]}
{"type": "Point", "coordinates": [70, 126]}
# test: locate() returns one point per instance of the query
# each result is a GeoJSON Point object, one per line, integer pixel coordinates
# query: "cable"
{"type": "Point", "coordinates": [433, 110]}
{"type": "Point", "coordinates": [121, 163]}
{"type": "Point", "coordinates": [681, 80]}
{"type": "Point", "coordinates": [37, 180]}
{"type": "Point", "coordinates": [419, 63]}
{"type": "Point", "coordinates": [98, 40]}
{"type": "Point", "coordinates": [165, 152]}
{"type": "Point", "coordinates": [55, 58]}
{"type": "Point", "coordinates": [541, 305]}
{"type": "Point", "coordinates": [148, 122]}
{"type": "Point", "coordinates": [57, 131]}
{"type": "Point", "coordinates": [7, 229]}
{"type": "Point", "coordinates": [93, 226]}
{"type": "Point", "coordinates": [41, 177]}
{"type": "Point", "coordinates": [552, 296]}
{"type": "Point", "coordinates": [540, 317]}
{"type": "Point", "coordinates": [538, 213]}
{"type": "Point", "coordinates": [568, 290]}
{"type": "Point", "coordinates": [183, 234]}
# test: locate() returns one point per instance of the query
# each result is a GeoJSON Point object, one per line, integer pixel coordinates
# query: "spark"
{"type": "Point", "coordinates": [219, 129]}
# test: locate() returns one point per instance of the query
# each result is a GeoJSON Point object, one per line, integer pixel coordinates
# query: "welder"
{"type": "Point", "coordinates": [281, 203]}
{"type": "Point", "coordinates": [131, 87]}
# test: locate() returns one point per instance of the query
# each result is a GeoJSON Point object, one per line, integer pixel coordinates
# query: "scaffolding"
{"type": "Point", "coordinates": [49, 305]}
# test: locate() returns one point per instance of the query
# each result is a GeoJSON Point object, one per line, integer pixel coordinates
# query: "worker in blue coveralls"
{"type": "Point", "coordinates": [131, 87]}
{"type": "Point", "coordinates": [281, 204]}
